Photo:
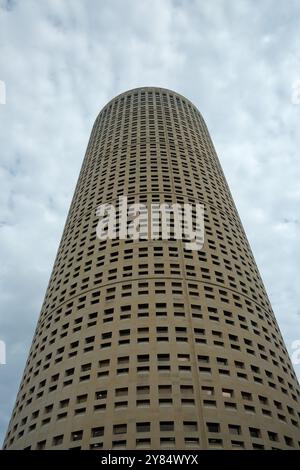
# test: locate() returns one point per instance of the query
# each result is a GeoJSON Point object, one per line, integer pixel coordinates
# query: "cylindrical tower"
{"type": "Point", "coordinates": [145, 343]}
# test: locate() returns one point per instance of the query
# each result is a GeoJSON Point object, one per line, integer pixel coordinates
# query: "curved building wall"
{"type": "Point", "coordinates": [146, 344]}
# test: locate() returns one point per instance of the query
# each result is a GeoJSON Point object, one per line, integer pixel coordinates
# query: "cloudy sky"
{"type": "Point", "coordinates": [62, 60]}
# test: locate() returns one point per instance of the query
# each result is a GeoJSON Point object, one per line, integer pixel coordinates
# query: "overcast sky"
{"type": "Point", "coordinates": [62, 60]}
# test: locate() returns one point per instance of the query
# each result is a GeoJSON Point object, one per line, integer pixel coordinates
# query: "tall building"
{"type": "Point", "coordinates": [146, 343]}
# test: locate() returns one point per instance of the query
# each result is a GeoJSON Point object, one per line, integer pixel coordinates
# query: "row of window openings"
{"type": "Point", "coordinates": [162, 364]}
{"type": "Point", "coordinates": [161, 331]}
{"type": "Point", "coordinates": [168, 426]}
{"type": "Point", "coordinates": [120, 429]}
{"type": "Point", "coordinates": [165, 397]}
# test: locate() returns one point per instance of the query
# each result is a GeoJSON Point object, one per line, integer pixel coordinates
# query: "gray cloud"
{"type": "Point", "coordinates": [63, 60]}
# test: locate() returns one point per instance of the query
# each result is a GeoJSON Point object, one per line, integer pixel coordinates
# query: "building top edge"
{"type": "Point", "coordinates": [149, 88]}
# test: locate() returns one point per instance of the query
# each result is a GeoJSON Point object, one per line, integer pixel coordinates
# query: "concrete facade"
{"type": "Point", "coordinates": [145, 344]}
